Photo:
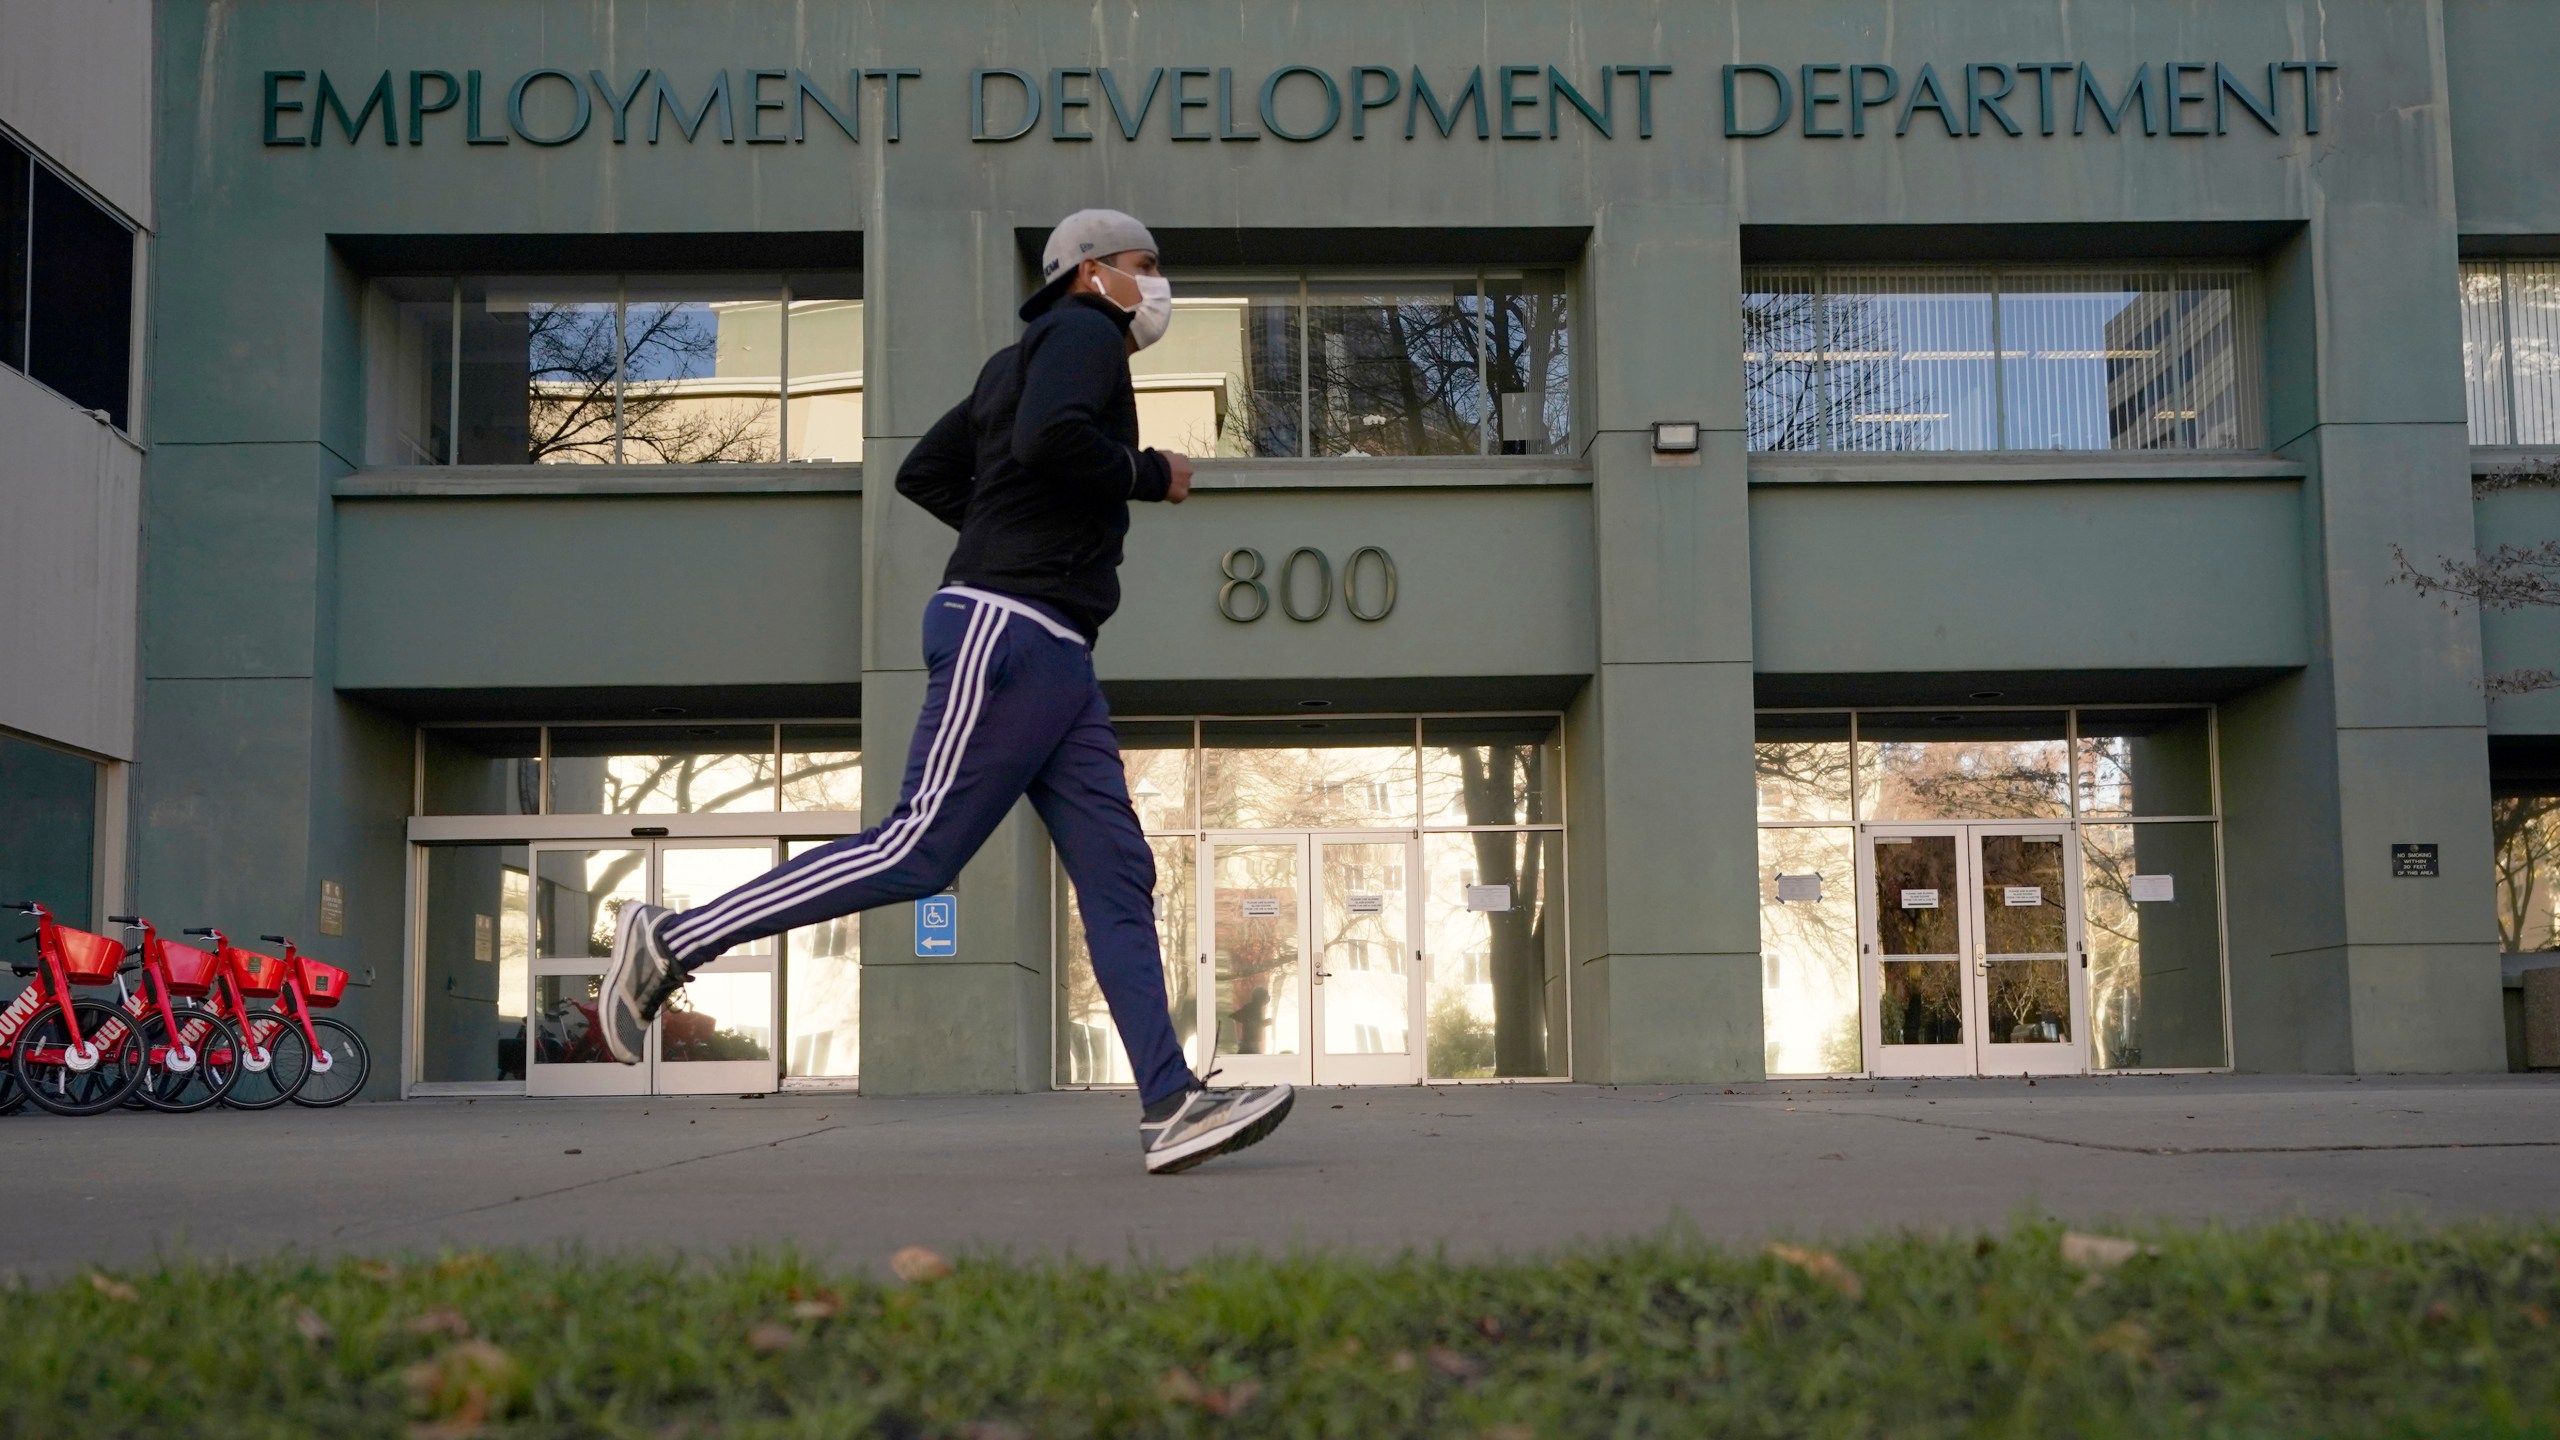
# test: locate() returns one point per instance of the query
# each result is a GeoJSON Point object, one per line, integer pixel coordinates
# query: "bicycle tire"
{"type": "Point", "coordinates": [62, 1090]}
{"type": "Point", "coordinates": [13, 1096]}
{"type": "Point", "coordinates": [217, 1068]}
{"type": "Point", "coordinates": [326, 1090]}
{"type": "Point", "coordinates": [288, 1067]}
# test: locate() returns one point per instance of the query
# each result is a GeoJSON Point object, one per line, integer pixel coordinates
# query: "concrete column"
{"type": "Point", "coordinates": [1665, 917]}
{"type": "Point", "coordinates": [2336, 964]}
{"type": "Point", "coordinates": [938, 284]}
{"type": "Point", "coordinates": [255, 782]}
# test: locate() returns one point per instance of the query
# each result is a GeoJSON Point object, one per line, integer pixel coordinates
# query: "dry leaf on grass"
{"type": "Point", "coordinates": [1822, 1265]}
{"type": "Point", "coordinates": [817, 1307]}
{"type": "Point", "coordinates": [772, 1338]}
{"type": "Point", "coordinates": [1401, 1362]}
{"type": "Point", "coordinates": [915, 1265]}
{"type": "Point", "coordinates": [113, 1288]}
{"type": "Point", "coordinates": [1180, 1387]}
{"type": "Point", "coordinates": [2097, 1252]}
{"type": "Point", "coordinates": [379, 1272]}
{"type": "Point", "coordinates": [443, 1320]}
{"type": "Point", "coordinates": [308, 1324]}
{"type": "Point", "coordinates": [1452, 1364]}
{"type": "Point", "coordinates": [464, 1388]}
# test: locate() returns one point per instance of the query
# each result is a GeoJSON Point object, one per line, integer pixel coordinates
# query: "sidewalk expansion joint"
{"type": "Point", "coordinates": [347, 1231]}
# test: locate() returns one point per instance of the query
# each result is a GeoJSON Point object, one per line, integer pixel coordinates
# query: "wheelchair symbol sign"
{"type": "Point", "coordinates": [938, 925]}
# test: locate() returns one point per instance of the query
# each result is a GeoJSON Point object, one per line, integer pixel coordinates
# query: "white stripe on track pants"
{"type": "Point", "coordinates": [1010, 709]}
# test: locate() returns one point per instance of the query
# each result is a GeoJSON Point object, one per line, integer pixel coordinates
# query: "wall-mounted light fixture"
{"type": "Point", "coordinates": [1675, 437]}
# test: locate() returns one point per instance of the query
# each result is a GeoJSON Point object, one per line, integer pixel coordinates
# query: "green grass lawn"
{"type": "Point", "coordinates": [2294, 1329]}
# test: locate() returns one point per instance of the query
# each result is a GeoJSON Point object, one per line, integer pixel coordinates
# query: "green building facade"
{"type": "Point", "coordinates": [1734, 539]}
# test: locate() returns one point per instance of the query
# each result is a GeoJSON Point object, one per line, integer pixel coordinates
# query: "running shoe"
{"type": "Point", "coordinates": [637, 983]}
{"type": "Point", "coordinates": [1203, 1123]}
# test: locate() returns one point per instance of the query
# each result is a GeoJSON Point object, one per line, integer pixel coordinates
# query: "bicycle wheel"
{"type": "Point", "coordinates": [92, 1078]}
{"type": "Point", "coordinates": [13, 1096]}
{"type": "Point", "coordinates": [349, 1062]}
{"type": "Point", "coordinates": [212, 1066]}
{"type": "Point", "coordinates": [274, 1062]}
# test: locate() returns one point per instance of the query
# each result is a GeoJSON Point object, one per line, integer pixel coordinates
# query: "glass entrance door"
{"type": "Point", "coordinates": [1971, 952]}
{"type": "Point", "coordinates": [717, 1034]}
{"type": "Point", "coordinates": [1309, 974]}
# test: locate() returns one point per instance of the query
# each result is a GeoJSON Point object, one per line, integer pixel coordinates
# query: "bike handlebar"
{"type": "Point", "coordinates": [29, 906]}
{"type": "Point", "coordinates": [30, 935]}
{"type": "Point", "coordinates": [199, 930]}
{"type": "Point", "coordinates": [275, 939]}
{"type": "Point", "coordinates": [124, 920]}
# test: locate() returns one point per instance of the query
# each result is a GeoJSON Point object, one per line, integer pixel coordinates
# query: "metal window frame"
{"type": "Point", "coordinates": [2073, 823]}
{"type": "Point", "coordinates": [1417, 832]}
{"type": "Point", "coordinates": [2248, 333]}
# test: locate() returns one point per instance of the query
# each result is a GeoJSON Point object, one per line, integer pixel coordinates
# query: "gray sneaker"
{"type": "Point", "coordinates": [636, 984]}
{"type": "Point", "coordinates": [1210, 1123]}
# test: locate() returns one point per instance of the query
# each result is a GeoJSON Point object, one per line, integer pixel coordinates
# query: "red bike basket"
{"type": "Point", "coordinates": [324, 985]}
{"type": "Point", "coordinates": [260, 975]}
{"type": "Point", "coordinates": [90, 959]}
{"type": "Point", "coordinates": [189, 969]}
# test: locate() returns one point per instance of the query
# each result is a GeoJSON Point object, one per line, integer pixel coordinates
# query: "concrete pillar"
{"type": "Point", "coordinates": [1665, 918]}
{"type": "Point", "coordinates": [255, 781]}
{"type": "Point", "coordinates": [2336, 964]}
{"type": "Point", "coordinates": [938, 284]}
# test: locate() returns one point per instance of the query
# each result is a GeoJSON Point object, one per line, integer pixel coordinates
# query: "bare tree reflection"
{"type": "Point", "coordinates": [1805, 390]}
{"type": "Point", "coordinates": [571, 372]}
{"type": "Point", "coordinates": [2525, 830]}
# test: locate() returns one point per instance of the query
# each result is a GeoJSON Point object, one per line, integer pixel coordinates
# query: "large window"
{"type": "Point", "coordinates": [716, 767]}
{"type": "Point", "coordinates": [2133, 785]}
{"type": "Point", "coordinates": [2526, 830]}
{"type": "Point", "coordinates": [66, 287]}
{"type": "Point", "coordinates": [483, 912]}
{"type": "Point", "coordinates": [2511, 350]}
{"type": "Point", "coordinates": [1322, 364]}
{"type": "Point", "coordinates": [1870, 358]}
{"type": "Point", "coordinates": [48, 836]}
{"type": "Point", "coordinates": [615, 369]}
{"type": "Point", "coordinates": [1485, 795]}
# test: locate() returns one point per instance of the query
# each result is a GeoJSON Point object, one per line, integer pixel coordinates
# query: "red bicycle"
{"type": "Point", "coordinates": [309, 1059]}
{"type": "Point", "coordinates": [69, 1055]}
{"type": "Point", "coordinates": [193, 1056]}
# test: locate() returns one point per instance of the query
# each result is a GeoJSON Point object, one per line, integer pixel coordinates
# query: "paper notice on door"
{"type": "Point", "coordinates": [1261, 907]}
{"type": "Point", "coordinates": [1919, 899]}
{"type": "Point", "coordinates": [1489, 899]}
{"type": "Point", "coordinates": [1800, 889]}
{"type": "Point", "coordinates": [2154, 889]}
{"type": "Point", "coordinates": [1367, 905]}
{"type": "Point", "coordinates": [2020, 897]}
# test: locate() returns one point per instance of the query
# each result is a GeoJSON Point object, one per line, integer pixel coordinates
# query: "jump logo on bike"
{"type": "Point", "coordinates": [20, 1010]}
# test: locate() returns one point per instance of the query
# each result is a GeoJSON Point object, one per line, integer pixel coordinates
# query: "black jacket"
{"type": "Point", "coordinates": [1037, 467]}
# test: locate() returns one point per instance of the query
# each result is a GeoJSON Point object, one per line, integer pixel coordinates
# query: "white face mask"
{"type": "Point", "coordinates": [1154, 314]}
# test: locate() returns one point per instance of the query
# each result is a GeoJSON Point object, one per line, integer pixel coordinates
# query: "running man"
{"type": "Point", "coordinates": [1036, 470]}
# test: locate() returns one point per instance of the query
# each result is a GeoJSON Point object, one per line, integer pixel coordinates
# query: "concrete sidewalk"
{"type": "Point", "coordinates": [1477, 1169]}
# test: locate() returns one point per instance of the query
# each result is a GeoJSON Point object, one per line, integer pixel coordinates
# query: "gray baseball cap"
{"type": "Point", "coordinates": [1085, 235]}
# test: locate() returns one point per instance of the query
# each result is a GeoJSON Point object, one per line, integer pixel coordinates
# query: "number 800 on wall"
{"type": "Point", "coordinates": [1368, 585]}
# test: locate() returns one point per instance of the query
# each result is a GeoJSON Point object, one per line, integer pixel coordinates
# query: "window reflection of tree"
{"type": "Point", "coordinates": [1984, 780]}
{"type": "Point", "coordinates": [1802, 779]}
{"type": "Point", "coordinates": [1805, 391]}
{"type": "Point", "coordinates": [571, 370]}
{"type": "Point", "coordinates": [2113, 925]}
{"type": "Point", "coordinates": [1395, 375]}
{"type": "Point", "coordinates": [1496, 783]}
{"type": "Point", "coordinates": [1308, 789]}
{"type": "Point", "coordinates": [1257, 955]}
{"type": "Point", "coordinates": [2525, 831]}
{"type": "Point", "coordinates": [1812, 948]}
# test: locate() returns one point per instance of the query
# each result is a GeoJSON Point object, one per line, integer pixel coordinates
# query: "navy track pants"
{"type": "Point", "coordinates": [1012, 708]}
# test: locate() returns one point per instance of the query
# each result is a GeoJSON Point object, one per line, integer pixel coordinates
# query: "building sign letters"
{"type": "Point", "coordinates": [1300, 104]}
